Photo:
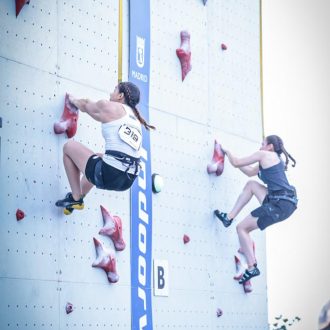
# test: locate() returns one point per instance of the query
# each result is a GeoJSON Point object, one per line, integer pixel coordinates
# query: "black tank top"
{"type": "Point", "coordinates": [274, 177]}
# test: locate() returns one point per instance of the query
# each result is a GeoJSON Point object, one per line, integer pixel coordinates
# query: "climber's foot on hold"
{"type": "Point", "coordinates": [223, 218]}
{"type": "Point", "coordinates": [68, 210]}
{"type": "Point", "coordinates": [70, 204]}
{"type": "Point", "coordinates": [249, 273]}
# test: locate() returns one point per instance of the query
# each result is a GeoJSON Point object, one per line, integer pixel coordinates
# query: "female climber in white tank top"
{"type": "Point", "coordinates": [118, 167]}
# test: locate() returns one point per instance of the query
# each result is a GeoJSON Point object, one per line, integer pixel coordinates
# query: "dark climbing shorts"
{"type": "Point", "coordinates": [107, 177]}
{"type": "Point", "coordinates": [273, 211]}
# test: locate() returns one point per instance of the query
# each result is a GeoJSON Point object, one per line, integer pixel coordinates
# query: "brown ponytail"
{"type": "Point", "coordinates": [132, 98]}
{"type": "Point", "coordinates": [278, 145]}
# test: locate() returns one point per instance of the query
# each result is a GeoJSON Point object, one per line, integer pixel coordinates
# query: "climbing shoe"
{"type": "Point", "coordinates": [248, 274]}
{"type": "Point", "coordinates": [223, 218]}
{"type": "Point", "coordinates": [69, 204]}
{"type": "Point", "coordinates": [68, 210]}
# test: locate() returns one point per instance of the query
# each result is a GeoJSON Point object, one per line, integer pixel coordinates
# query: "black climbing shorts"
{"type": "Point", "coordinates": [107, 177]}
{"type": "Point", "coordinates": [273, 211]}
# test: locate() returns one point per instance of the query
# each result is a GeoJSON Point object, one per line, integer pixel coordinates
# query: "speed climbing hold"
{"type": "Point", "coordinates": [69, 119]}
{"type": "Point", "coordinates": [105, 259]}
{"type": "Point", "coordinates": [184, 54]}
{"type": "Point", "coordinates": [247, 286]}
{"type": "Point", "coordinates": [240, 268]}
{"type": "Point", "coordinates": [20, 4]}
{"type": "Point", "coordinates": [112, 228]}
{"type": "Point", "coordinates": [219, 312]}
{"type": "Point", "coordinates": [69, 308]}
{"type": "Point", "coordinates": [217, 164]}
{"type": "Point", "coordinates": [223, 47]}
{"type": "Point", "coordinates": [186, 239]}
{"type": "Point", "coordinates": [19, 215]}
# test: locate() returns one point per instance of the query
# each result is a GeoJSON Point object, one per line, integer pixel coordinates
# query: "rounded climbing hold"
{"type": "Point", "coordinates": [223, 47]}
{"type": "Point", "coordinates": [219, 312]}
{"type": "Point", "coordinates": [19, 215]}
{"type": "Point", "coordinates": [69, 308]}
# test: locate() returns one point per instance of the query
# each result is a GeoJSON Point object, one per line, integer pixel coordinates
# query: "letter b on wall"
{"type": "Point", "coordinates": [161, 285]}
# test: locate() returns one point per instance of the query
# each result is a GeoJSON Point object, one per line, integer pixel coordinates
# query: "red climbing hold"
{"type": "Point", "coordinates": [240, 268]}
{"type": "Point", "coordinates": [19, 215]}
{"type": "Point", "coordinates": [219, 312]}
{"type": "Point", "coordinates": [247, 286]}
{"type": "Point", "coordinates": [217, 164]}
{"type": "Point", "coordinates": [69, 119]}
{"type": "Point", "coordinates": [69, 308]}
{"type": "Point", "coordinates": [20, 4]}
{"type": "Point", "coordinates": [186, 239]}
{"type": "Point", "coordinates": [105, 259]}
{"type": "Point", "coordinates": [112, 228]}
{"type": "Point", "coordinates": [223, 47]}
{"type": "Point", "coordinates": [184, 53]}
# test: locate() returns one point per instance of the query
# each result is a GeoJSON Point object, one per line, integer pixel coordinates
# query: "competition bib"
{"type": "Point", "coordinates": [130, 135]}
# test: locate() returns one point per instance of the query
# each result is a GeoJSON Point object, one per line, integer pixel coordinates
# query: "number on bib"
{"type": "Point", "coordinates": [130, 135]}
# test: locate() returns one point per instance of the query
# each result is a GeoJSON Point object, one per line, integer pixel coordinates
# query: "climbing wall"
{"type": "Point", "coordinates": [219, 98]}
{"type": "Point", "coordinates": [54, 47]}
{"type": "Point", "coordinates": [51, 48]}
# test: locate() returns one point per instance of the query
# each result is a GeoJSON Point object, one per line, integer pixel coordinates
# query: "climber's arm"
{"type": "Point", "coordinates": [94, 109]}
{"type": "Point", "coordinates": [250, 170]}
{"type": "Point", "coordinates": [241, 162]}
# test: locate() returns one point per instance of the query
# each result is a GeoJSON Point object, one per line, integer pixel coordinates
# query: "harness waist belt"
{"type": "Point", "coordinates": [125, 159]}
{"type": "Point", "coordinates": [291, 198]}
{"type": "Point", "coordinates": [121, 156]}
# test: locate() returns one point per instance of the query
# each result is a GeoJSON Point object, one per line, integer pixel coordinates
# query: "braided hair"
{"type": "Point", "coordinates": [132, 98]}
{"type": "Point", "coordinates": [278, 145]}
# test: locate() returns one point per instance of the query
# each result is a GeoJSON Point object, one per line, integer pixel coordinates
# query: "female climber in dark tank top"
{"type": "Point", "coordinates": [277, 197]}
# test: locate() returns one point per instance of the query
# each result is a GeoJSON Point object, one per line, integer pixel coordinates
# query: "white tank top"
{"type": "Point", "coordinates": [123, 135]}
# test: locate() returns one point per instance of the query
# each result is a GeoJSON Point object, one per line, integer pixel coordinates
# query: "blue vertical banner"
{"type": "Point", "coordinates": [141, 192]}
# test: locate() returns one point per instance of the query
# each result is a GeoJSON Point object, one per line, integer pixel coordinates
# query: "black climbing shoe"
{"type": "Point", "coordinates": [248, 274]}
{"type": "Point", "coordinates": [223, 218]}
{"type": "Point", "coordinates": [69, 203]}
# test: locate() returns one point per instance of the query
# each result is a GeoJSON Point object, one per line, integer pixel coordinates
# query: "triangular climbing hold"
{"type": "Point", "coordinates": [20, 4]}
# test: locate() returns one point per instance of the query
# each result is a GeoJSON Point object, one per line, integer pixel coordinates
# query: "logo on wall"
{"type": "Point", "coordinates": [140, 42]}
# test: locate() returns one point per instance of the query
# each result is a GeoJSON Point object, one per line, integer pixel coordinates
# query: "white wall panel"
{"type": "Point", "coordinates": [31, 38]}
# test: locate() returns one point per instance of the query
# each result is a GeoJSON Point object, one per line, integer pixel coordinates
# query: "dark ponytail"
{"type": "Point", "coordinates": [278, 145]}
{"type": "Point", "coordinates": [132, 98]}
